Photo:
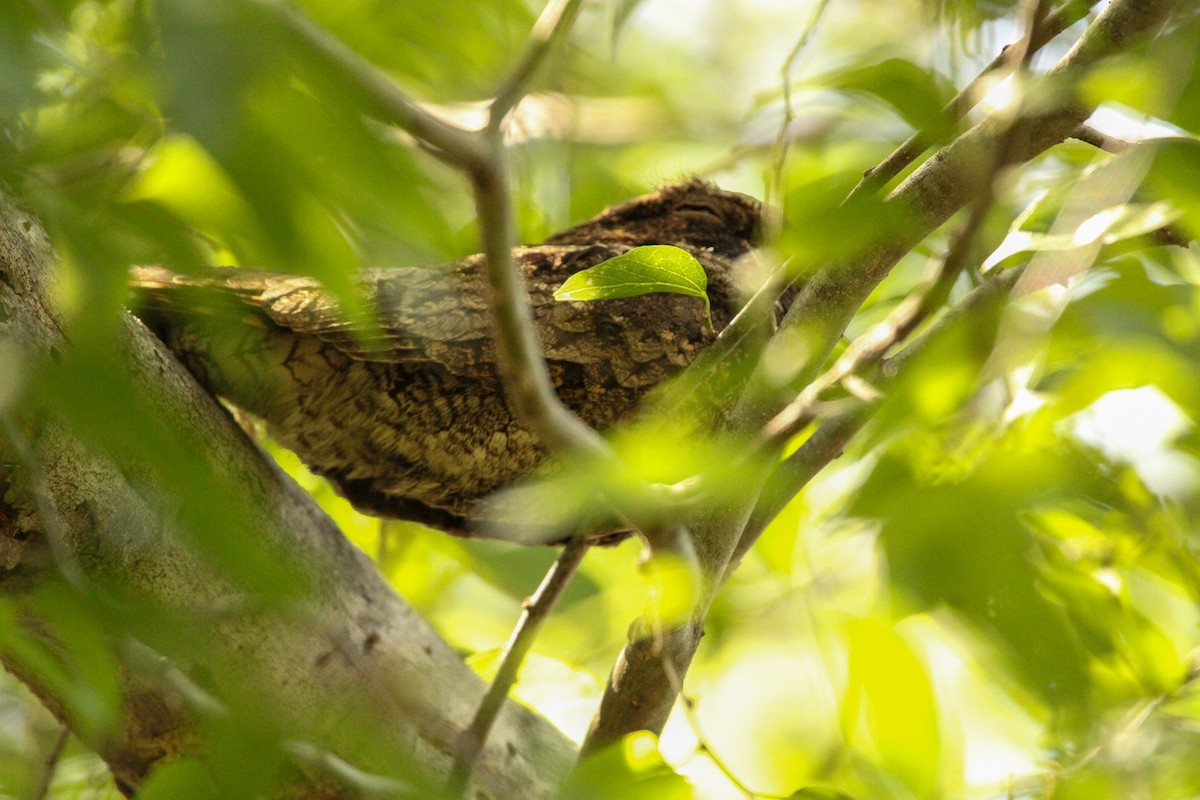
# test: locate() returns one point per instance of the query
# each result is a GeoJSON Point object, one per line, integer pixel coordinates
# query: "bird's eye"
{"type": "Point", "coordinates": [701, 212]}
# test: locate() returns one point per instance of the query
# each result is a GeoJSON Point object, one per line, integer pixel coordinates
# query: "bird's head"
{"type": "Point", "coordinates": [694, 214]}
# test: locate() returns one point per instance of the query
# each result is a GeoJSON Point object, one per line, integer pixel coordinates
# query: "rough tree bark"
{"type": "Point", "coordinates": [348, 649]}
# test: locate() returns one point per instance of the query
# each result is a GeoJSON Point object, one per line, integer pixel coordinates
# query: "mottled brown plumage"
{"type": "Point", "coordinates": [407, 418]}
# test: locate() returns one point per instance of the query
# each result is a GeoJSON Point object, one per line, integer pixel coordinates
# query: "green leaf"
{"type": "Point", "coordinates": [642, 270]}
{"type": "Point", "coordinates": [917, 94]}
{"type": "Point", "coordinates": [184, 777]}
{"type": "Point", "coordinates": [899, 703]}
{"type": "Point", "coordinates": [1173, 177]}
{"type": "Point", "coordinates": [1109, 226]}
{"type": "Point", "coordinates": [630, 769]}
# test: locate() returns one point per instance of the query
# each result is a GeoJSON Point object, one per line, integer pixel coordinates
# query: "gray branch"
{"type": "Point", "coordinates": [346, 647]}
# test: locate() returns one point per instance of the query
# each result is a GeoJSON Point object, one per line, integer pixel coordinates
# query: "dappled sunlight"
{"type": "Point", "coordinates": [780, 688]}
{"type": "Point", "coordinates": [993, 735]}
{"type": "Point", "coordinates": [1140, 427]}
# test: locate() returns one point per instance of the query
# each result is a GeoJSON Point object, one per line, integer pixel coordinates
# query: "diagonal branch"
{"type": "Point", "coordinates": [456, 146]}
{"type": "Point", "coordinates": [552, 27]}
{"type": "Point", "coordinates": [871, 347]}
{"type": "Point", "coordinates": [1051, 26]}
{"type": "Point", "coordinates": [534, 613]}
{"type": "Point", "coordinates": [639, 695]}
{"type": "Point", "coordinates": [946, 183]}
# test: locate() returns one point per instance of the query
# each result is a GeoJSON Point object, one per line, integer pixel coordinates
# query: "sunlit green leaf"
{"type": "Point", "coordinates": [979, 562]}
{"type": "Point", "coordinates": [642, 270]}
{"type": "Point", "coordinates": [179, 779]}
{"type": "Point", "coordinates": [183, 177]}
{"type": "Point", "coordinates": [1109, 226]}
{"type": "Point", "coordinates": [917, 94]}
{"type": "Point", "coordinates": [898, 703]}
{"type": "Point", "coordinates": [631, 769]}
{"type": "Point", "coordinates": [1175, 176]}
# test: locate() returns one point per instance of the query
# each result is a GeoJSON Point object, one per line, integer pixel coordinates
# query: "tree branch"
{"type": "Point", "coordinates": [780, 148]}
{"type": "Point", "coordinates": [526, 380]}
{"type": "Point", "coordinates": [1052, 25]}
{"type": "Point", "coordinates": [50, 764]}
{"type": "Point", "coordinates": [946, 183]}
{"type": "Point", "coordinates": [871, 347]}
{"type": "Point", "coordinates": [639, 694]}
{"type": "Point", "coordinates": [556, 21]}
{"type": "Point", "coordinates": [458, 147]}
{"type": "Point", "coordinates": [345, 642]}
{"type": "Point", "coordinates": [533, 614]}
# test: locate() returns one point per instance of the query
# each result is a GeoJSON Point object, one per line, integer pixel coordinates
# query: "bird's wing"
{"type": "Point", "coordinates": [404, 314]}
{"type": "Point", "coordinates": [439, 314]}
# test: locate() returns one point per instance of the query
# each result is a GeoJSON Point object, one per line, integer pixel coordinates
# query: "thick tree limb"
{"type": "Point", "coordinates": [343, 652]}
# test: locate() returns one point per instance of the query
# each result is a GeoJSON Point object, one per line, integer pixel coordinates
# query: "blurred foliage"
{"type": "Point", "coordinates": [993, 592]}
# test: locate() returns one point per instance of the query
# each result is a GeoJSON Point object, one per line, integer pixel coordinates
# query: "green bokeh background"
{"type": "Point", "coordinates": [991, 594]}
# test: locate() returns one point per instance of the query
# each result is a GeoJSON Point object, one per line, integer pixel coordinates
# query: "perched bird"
{"type": "Point", "coordinates": [401, 408]}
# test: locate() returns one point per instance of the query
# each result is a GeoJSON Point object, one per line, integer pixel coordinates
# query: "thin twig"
{"type": "Point", "coordinates": [526, 380]}
{"type": "Point", "coordinates": [689, 710]}
{"type": "Point", "coordinates": [155, 665]}
{"type": "Point", "coordinates": [382, 537]}
{"type": "Point", "coordinates": [458, 147]}
{"type": "Point", "coordinates": [533, 615]}
{"type": "Point", "coordinates": [780, 150]}
{"type": "Point", "coordinates": [522, 363]}
{"type": "Point", "coordinates": [552, 26]}
{"type": "Point", "coordinates": [1053, 24]}
{"type": "Point", "coordinates": [357, 782]}
{"type": "Point", "coordinates": [50, 764]}
{"type": "Point", "coordinates": [1102, 141]}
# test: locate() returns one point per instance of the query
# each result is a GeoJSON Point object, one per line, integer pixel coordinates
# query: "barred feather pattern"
{"type": "Point", "coordinates": [400, 405]}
